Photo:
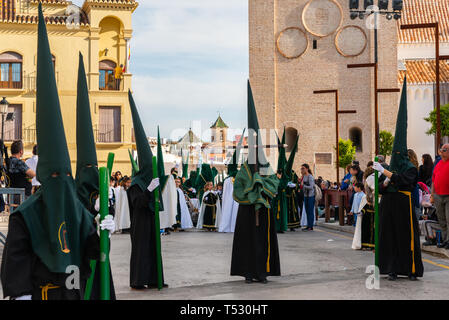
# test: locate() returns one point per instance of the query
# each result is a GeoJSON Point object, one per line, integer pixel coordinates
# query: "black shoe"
{"type": "Point", "coordinates": [138, 287]}
{"type": "Point", "coordinates": [249, 280]}
{"type": "Point", "coordinates": [392, 276]}
{"type": "Point", "coordinates": [264, 280]}
{"type": "Point", "coordinates": [442, 245]}
{"type": "Point", "coordinates": [292, 230]}
{"type": "Point", "coordinates": [311, 229]}
{"type": "Point", "coordinates": [305, 229]}
{"type": "Point", "coordinates": [156, 287]}
{"type": "Point", "coordinates": [412, 277]}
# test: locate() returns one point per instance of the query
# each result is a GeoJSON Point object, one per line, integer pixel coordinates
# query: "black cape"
{"type": "Point", "coordinates": [397, 225]}
{"type": "Point", "coordinates": [255, 251]}
{"type": "Point", "coordinates": [143, 269]}
{"type": "Point", "coordinates": [23, 273]}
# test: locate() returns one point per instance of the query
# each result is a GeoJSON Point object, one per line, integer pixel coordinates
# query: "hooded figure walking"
{"type": "Point", "coordinates": [87, 176]}
{"type": "Point", "coordinates": [51, 235]}
{"type": "Point", "coordinates": [143, 269]}
{"type": "Point", "coordinates": [255, 252]}
{"type": "Point", "coordinates": [399, 242]}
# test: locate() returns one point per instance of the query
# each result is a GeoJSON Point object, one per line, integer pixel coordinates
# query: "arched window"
{"type": "Point", "coordinates": [10, 70]}
{"type": "Point", "coordinates": [355, 135]}
{"type": "Point", "coordinates": [290, 138]}
{"type": "Point", "coordinates": [107, 81]}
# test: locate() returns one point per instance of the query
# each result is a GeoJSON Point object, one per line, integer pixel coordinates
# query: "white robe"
{"type": "Point", "coordinates": [199, 224]}
{"type": "Point", "coordinates": [170, 201]}
{"type": "Point", "coordinates": [122, 219]}
{"type": "Point", "coordinates": [186, 219]}
{"type": "Point", "coordinates": [357, 240]}
{"type": "Point", "coordinates": [304, 216]}
{"type": "Point", "coordinates": [229, 209]}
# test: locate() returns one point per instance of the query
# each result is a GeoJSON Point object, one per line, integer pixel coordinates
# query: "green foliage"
{"type": "Point", "coordinates": [386, 140]}
{"type": "Point", "coordinates": [432, 118]}
{"type": "Point", "coordinates": [346, 152]}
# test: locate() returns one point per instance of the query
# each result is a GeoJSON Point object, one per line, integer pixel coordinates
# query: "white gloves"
{"type": "Point", "coordinates": [193, 190]}
{"type": "Point", "coordinates": [27, 297]}
{"type": "Point", "coordinates": [153, 185]}
{"type": "Point", "coordinates": [377, 166]}
{"type": "Point", "coordinates": [386, 181]}
{"type": "Point", "coordinates": [291, 185]}
{"type": "Point", "coordinates": [108, 224]}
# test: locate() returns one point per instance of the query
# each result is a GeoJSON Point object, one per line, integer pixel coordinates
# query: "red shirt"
{"type": "Point", "coordinates": [440, 178]}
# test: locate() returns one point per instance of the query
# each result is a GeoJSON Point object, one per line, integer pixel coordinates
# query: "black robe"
{"type": "Point", "coordinates": [23, 273]}
{"type": "Point", "coordinates": [292, 209]}
{"type": "Point", "coordinates": [368, 227]}
{"type": "Point", "coordinates": [255, 251]}
{"type": "Point", "coordinates": [397, 226]}
{"type": "Point", "coordinates": [143, 269]}
{"type": "Point", "coordinates": [210, 211]}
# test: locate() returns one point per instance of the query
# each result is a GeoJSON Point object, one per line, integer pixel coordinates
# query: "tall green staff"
{"type": "Point", "coordinates": [376, 223]}
{"type": "Point", "coordinates": [111, 157]}
{"type": "Point", "coordinates": [105, 292]}
{"type": "Point", "coordinates": [158, 229]}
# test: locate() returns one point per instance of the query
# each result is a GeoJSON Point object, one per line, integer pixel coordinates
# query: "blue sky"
{"type": "Point", "coordinates": [189, 60]}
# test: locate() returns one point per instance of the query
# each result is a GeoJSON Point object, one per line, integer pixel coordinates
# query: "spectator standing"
{"type": "Point", "coordinates": [19, 172]}
{"type": "Point", "coordinates": [118, 74]}
{"type": "Point", "coordinates": [440, 193]}
{"type": "Point", "coordinates": [32, 164]}
{"type": "Point", "coordinates": [425, 170]}
{"type": "Point", "coordinates": [346, 179]}
{"type": "Point", "coordinates": [308, 186]}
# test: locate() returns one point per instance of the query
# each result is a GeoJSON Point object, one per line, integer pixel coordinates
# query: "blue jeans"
{"type": "Point", "coordinates": [309, 203]}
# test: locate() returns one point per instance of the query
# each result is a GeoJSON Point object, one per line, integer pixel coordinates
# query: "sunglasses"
{"type": "Point", "coordinates": [444, 150]}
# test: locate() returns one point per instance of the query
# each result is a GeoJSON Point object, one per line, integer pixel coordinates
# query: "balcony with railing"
{"type": "Point", "coordinates": [109, 133]}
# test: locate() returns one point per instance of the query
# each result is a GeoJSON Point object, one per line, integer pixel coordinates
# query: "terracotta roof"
{"type": "Point", "coordinates": [424, 11]}
{"type": "Point", "coordinates": [423, 71]}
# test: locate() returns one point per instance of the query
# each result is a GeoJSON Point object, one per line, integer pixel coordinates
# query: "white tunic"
{"type": "Point", "coordinates": [230, 207]}
{"type": "Point", "coordinates": [170, 201]}
{"type": "Point", "coordinates": [304, 215]}
{"type": "Point", "coordinates": [122, 219]}
{"type": "Point", "coordinates": [186, 219]}
{"type": "Point", "coordinates": [199, 224]}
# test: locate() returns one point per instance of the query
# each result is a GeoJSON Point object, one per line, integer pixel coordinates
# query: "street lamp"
{"type": "Point", "coordinates": [4, 104]}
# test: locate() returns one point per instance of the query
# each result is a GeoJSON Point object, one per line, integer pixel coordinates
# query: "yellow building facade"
{"type": "Point", "coordinates": [101, 31]}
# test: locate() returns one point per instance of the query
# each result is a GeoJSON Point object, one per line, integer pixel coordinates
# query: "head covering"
{"type": "Point", "coordinates": [256, 153]}
{"type": "Point", "coordinates": [144, 154]}
{"type": "Point", "coordinates": [233, 166]}
{"type": "Point", "coordinates": [87, 178]}
{"type": "Point", "coordinates": [206, 175]}
{"type": "Point", "coordinates": [160, 162]}
{"type": "Point", "coordinates": [400, 161]}
{"type": "Point", "coordinates": [134, 166]}
{"type": "Point", "coordinates": [57, 221]}
{"type": "Point", "coordinates": [185, 166]}
{"type": "Point", "coordinates": [291, 160]}
{"type": "Point", "coordinates": [282, 158]}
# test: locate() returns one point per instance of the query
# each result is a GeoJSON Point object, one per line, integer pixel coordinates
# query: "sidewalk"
{"type": "Point", "coordinates": [350, 229]}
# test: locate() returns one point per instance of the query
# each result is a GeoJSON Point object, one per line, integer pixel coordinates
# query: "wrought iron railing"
{"type": "Point", "coordinates": [109, 134]}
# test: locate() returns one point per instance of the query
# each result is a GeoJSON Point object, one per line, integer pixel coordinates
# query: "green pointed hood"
{"type": "Point", "coordinates": [399, 160]}
{"type": "Point", "coordinates": [185, 165]}
{"type": "Point", "coordinates": [282, 159]}
{"type": "Point", "coordinates": [87, 178]}
{"type": "Point", "coordinates": [205, 176]}
{"type": "Point", "coordinates": [160, 162]}
{"type": "Point", "coordinates": [144, 154]}
{"type": "Point", "coordinates": [254, 137]}
{"type": "Point", "coordinates": [233, 166]}
{"type": "Point", "coordinates": [291, 160]}
{"type": "Point", "coordinates": [134, 166]}
{"type": "Point", "coordinates": [57, 221]}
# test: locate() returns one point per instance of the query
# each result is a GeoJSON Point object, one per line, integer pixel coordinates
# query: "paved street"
{"type": "Point", "coordinates": [314, 265]}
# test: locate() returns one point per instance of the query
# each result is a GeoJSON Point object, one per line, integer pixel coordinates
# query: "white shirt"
{"type": "Point", "coordinates": [32, 164]}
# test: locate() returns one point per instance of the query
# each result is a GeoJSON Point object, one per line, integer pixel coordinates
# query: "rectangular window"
{"type": "Point", "coordinates": [16, 72]}
{"type": "Point", "coordinates": [109, 128]}
{"type": "Point", "coordinates": [107, 81]}
{"type": "Point", "coordinates": [13, 129]}
{"type": "Point", "coordinates": [4, 72]}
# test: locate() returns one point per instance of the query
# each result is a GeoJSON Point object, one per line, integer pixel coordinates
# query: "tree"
{"type": "Point", "coordinates": [432, 118]}
{"type": "Point", "coordinates": [346, 152]}
{"type": "Point", "coordinates": [386, 140]}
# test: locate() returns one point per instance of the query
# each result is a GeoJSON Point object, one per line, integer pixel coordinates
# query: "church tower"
{"type": "Point", "coordinates": [297, 47]}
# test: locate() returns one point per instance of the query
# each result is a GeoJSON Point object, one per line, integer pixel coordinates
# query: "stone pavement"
{"type": "Point", "coordinates": [315, 265]}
